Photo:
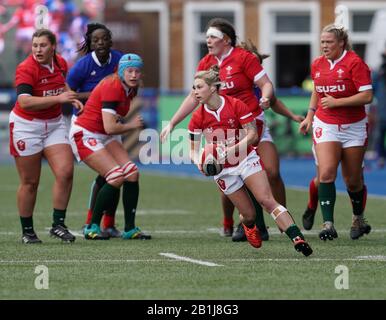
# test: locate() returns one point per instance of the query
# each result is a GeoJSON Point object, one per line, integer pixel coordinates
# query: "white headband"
{"type": "Point", "coordinates": [214, 33]}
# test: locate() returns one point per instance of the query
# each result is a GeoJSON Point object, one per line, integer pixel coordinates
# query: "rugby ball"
{"type": "Point", "coordinates": [210, 165]}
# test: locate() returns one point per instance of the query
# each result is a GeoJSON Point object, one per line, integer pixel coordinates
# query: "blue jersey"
{"type": "Point", "coordinates": [88, 71]}
{"type": "Point", "coordinates": [257, 92]}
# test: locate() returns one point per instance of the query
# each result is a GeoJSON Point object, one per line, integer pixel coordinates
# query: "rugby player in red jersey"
{"type": "Point", "coordinates": [95, 140]}
{"type": "Point", "coordinates": [240, 72]}
{"type": "Point", "coordinates": [37, 130]}
{"type": "Point", "coordinates": [229, 124]}
{"type": "Point", "coordinates": [342, 87]}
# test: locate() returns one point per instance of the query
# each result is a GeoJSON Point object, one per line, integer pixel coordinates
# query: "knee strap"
{"type": "Point", "coordinates": [278, 211]}
{"type": "Point", "coordinates": [128, 169]}
{"type": "Point", "coordinates": [114, 174]}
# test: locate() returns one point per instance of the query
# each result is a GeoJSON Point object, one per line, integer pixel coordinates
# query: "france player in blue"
{"type": "Point", "coordinates": [99, 61]}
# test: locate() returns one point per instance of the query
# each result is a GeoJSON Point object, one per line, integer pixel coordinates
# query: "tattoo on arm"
{"type": "Point", "coordinates": [250, 126]}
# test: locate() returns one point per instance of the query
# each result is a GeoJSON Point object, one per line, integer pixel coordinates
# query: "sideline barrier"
{"type": "Point", "coordinates": [283, 130]}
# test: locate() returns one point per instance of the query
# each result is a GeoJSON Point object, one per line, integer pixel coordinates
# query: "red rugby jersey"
{"type": "Point", "coordinates": [44, 82]}
{"type": "Point", "coordinates": [347, 76]}
{"type": "Point", "coordinates": [239, 69]}
{"type": "Point", "coordinates": [223, 125]}
{"type": "Point", "coordinates": [110, 89]}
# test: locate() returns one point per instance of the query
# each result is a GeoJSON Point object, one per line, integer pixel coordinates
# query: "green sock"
{"type": "Point", "coordinates": [106, 196]}
{"type": "Point", "coordinates": [58, 217]}
{"type": "Point", "coordinates": [358, 200]}
{"type": "Point", "coordinates": [327, 196]}
{"type": "Point", "coordinates": [130, 200]}
{"type": "Point", "coordinates": [259, 212]}
{"type": "Point", "coordinates": [293, 231]}
{"type": "Point", "coordinates": [27, 225]}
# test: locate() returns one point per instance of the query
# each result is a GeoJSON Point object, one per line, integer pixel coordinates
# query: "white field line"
{"type": "Point", "coordinates": [140, 212]}
{"type": "Point", "coordinates": [187, 259]}
{"type": "Point", "coordinates": [272, 231]}
{"type": "Point", "coordinates": [377, 258]}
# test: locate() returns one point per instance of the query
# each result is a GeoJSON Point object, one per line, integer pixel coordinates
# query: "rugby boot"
{"type": "Point", "coordinates": [328, 232]}
{"type": "Point", "coordinates": [253, 236]}
{"type": "Point", "coordinates": [359, 227]}
{"type": "Point", "coordinates": [135, 233]}
{"type": "Point", "coordinates": [61, 232]}
{"type": "Point", "coordinates": [30, 238]}
{"type": "Point", "coordinates": [302, 246]}
{"type": "Point", "coordinates": [308, 218]}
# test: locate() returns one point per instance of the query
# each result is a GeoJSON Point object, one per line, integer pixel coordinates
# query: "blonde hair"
{"type": "Point", "coordinates": [340, 33]}
{"type": "Point", "coordinates": [211, 76]}
{"type": "Point", "coordinates": [250, 46]}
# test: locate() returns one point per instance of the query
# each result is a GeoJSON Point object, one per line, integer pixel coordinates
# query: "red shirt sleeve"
{"type": "Point", "coordinates": [361, 75]}
{"type": "Point", "coordinates": [252, 66]}
{"type": "Point", "coordinates": [204, 63]}
{"type": "Point", "coordinates": [243, 113]}
{"type": "Point", "coordinates": [26, 74]}
{"type": "Point", "coordinates": [111, 90]}
{"type": "Point", "coordinates": [195, 123]}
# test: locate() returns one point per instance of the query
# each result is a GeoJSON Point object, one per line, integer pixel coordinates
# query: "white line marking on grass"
{"type": "Point", "coordinates": [373, 258]}
{"type": "Point", "coordinates": [204, 263]}
{"type": "Point", "coordinates": [377, 258]}
{"type": "Point", "coordinates": [271, 230]}
{"type": "Point", "coordinates": [370, 258]}
{"type": "Point", "coordinates": [81, 261]}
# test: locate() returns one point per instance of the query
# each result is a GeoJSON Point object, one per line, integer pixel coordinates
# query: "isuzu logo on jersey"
{"type": "Point", "coordinates": [338, 88]}
{"type": "Point", "coordinates": [227, 85]}
{"type": "Point", "coordinates": [53, 92]}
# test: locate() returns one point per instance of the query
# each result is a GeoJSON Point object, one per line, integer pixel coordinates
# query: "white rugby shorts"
{"type": "Point", "coordinates": [349, 135]}
{"type": "Point", "coordinates": [232, 179]}
{"type": "Point", "coordinates": [84, 142]}
{"type": "Point", "coordinates": [28, 137]}
{"type": "Point", "coordinates": [266, 134]}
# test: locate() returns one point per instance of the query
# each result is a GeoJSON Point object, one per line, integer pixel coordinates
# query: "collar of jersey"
{"type": "Point", "coordinates": [49, 67]}
{"type": "Point", "coordinates": [216, 113]}
{"type": "Point", "coordinates": [224, 56]}
{"type": "Point", "coordinates": [95, 58]}
{"type": "Point", "coordinates": [333, 64]}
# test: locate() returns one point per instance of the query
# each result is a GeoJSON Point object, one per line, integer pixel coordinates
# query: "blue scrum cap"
{"type": "Point", "coordinates": [129, 60]}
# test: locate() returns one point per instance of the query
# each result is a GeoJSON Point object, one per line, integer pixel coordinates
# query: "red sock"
{"type": "Point", "coordinates": [108, 221]}
{"type": "Point", "coordinates": [89, 216]}
{"type": "Point", "coordinates": [313, 196]}
{"type": "Point", "coordinates": [228, 223]}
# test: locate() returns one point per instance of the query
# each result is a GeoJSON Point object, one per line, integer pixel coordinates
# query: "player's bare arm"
{"type": "Point", "coordinates": [112, 126]}
{"type": "Point", "coordinates": [357, 100]}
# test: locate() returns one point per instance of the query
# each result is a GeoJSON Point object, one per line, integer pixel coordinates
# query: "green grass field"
{"type": "Point", "coordinates": [183, 216]}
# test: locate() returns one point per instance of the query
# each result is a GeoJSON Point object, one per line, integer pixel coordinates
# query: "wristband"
{"type": "Point", "coordinates": [312, 109]}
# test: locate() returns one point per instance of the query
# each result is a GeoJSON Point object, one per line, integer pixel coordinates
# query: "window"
{"type": "Point", "coordinates": [197, 16]}
{"type": "Point", "coordinates": [366, 34]}
{"type": "Point", "coordinates": [289, 32]}
{"type": "Point", "coordinates": [158, 12]}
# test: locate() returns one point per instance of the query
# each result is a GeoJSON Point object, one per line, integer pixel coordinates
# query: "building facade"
{"type": "Point", "coordinates": [170, 34]}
